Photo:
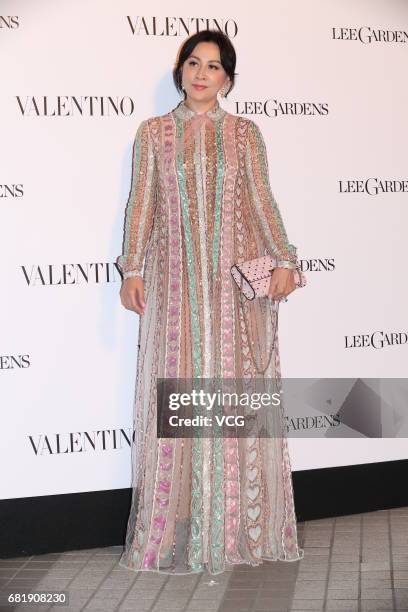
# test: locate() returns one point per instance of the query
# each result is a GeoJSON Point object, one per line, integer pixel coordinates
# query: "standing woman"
{"type": "Point", "coordinates": [200, 202]}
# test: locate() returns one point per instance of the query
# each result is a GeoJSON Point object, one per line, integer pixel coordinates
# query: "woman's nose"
{"type": "Point", "coordinates": [201, 73]}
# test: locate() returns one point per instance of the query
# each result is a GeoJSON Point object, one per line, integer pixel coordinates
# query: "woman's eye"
{"type": "Point", "coordinates": [192, 62]}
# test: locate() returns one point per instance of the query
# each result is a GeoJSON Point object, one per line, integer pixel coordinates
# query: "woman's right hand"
{"type": "Point", "coordinates": [132, 294]}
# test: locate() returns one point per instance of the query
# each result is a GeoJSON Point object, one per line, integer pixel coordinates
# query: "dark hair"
{"type": "Point", "coordinates": [227, 55]}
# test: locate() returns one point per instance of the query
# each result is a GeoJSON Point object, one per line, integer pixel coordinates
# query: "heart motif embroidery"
{"type": "Point", "coordinates": [253, 492]}
{"type": "Point", "coordinates": [252, 455]}
{"type": "Point", "coordinates": [257, 552]}
{"type": "Point", "coordinates": [254, 532]}
{"type": "Point", "coordinates": [252, 473]}
{"type": "Point", "coordinates": [254, 512]}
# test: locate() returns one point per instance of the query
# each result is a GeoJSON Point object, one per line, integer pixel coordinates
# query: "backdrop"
{"type": "Point", "coordinates": [325, 81]}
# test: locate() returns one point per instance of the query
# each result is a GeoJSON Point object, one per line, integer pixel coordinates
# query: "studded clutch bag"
{"type": "Point", "coordinates": [254, 276]}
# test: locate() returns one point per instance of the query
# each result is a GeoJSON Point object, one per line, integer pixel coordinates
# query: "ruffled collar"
{"type": "Point", "coordinates": [184, 112]}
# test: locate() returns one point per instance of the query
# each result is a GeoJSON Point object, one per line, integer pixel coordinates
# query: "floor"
{"type": "Point", "coordinates": [351, 563]}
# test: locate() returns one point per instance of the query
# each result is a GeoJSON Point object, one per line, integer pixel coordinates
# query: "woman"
{"type": "Point", "coordinates": [200, 202]}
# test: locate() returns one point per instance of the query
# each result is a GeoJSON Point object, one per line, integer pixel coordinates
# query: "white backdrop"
{"type": "Point", "coordinates": [335, 95]}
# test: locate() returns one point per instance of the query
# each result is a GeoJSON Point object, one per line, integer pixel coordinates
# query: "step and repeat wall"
{"type": "Point", "coordinates": [326, 83]}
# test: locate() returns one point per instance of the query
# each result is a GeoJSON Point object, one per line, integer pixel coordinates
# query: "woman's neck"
{"type": "Point", "coordinates": [200, 109]}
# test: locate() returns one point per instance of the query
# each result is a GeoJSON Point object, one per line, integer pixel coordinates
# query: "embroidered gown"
{"type": "Point", "coordinates": [201, 201]}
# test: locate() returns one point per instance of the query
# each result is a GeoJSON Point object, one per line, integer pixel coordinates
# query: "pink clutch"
{"type": "Point", "coordinates": [254, 275]}
{"type": "Point", "coordinates": [253, 278]}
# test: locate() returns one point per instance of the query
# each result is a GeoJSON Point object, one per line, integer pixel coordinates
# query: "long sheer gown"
{"type": "Point", "coordinates": [201, 201]}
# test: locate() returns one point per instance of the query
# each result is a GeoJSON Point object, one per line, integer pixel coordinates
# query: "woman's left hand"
{"type": "Point", "coordinates": [282, 283]}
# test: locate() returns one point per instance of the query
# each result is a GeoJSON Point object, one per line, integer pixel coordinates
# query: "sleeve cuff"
{"type": "Point", "coordinates": [131, 274]}
{"type": "Point", "coordinates": [284, 263]}
{"type": "Point", "coordinates": [127, 267]}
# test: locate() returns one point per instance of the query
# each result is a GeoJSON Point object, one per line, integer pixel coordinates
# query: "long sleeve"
{"type": "Point", "coordinates": [263, 204]}
{"type": "Point", "coordinates": [140, 206]}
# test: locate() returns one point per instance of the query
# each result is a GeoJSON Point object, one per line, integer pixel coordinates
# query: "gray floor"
{"type": "Point", "coordinates": [352, 563]}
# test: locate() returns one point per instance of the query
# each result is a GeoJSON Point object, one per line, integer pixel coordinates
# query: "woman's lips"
{"type": "Point", "coordinates": [200, 87]}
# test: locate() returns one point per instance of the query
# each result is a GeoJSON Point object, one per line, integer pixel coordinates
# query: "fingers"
{"type": "Point", "coordinates": [139, 299]}
{"type": "Point", "coordinates": [277, 287]}
{"type": "Point", "coordinates": [132, 297]}
{"type": "Point", "coordinates": [281, 285]}
{"type": "Point", "coordinates": [272, 287]}
{"type": "Point", "coordinates": [290, 285]}
{"type": "Point", "coordinates": [133, 302]}
{"type": "Point", "coordinates": [277, 294]}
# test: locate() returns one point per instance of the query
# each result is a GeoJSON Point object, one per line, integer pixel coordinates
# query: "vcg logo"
{"type": "Point", "coordinates": [275, 108]}
{"type": "Point", "coordinates": [179, 26]}
{"type": "Point", "coordinates": [377, 340]}
{"type": "Point", "coordinates": [373, 186]}
{"type": "Point", "coordinates": [367, 35]}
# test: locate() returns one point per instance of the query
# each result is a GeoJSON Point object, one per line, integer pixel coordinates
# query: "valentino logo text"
{"type": "Point", "coordinates": [179, 26]}
{"type": "Point", "coordinates": [75, 106]}
{"type": "Point", "coordinates": [71, 274]}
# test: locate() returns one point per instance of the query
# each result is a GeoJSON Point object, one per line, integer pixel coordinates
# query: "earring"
{"type": "Point", "coordinates": [222, 91]}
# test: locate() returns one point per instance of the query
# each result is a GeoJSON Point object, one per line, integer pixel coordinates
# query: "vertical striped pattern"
{"type": "Point", "coordinates": [196, 533]}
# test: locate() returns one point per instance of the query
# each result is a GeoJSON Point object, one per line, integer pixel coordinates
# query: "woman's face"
{"type": "Point", "coordinates": [203, 67]}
